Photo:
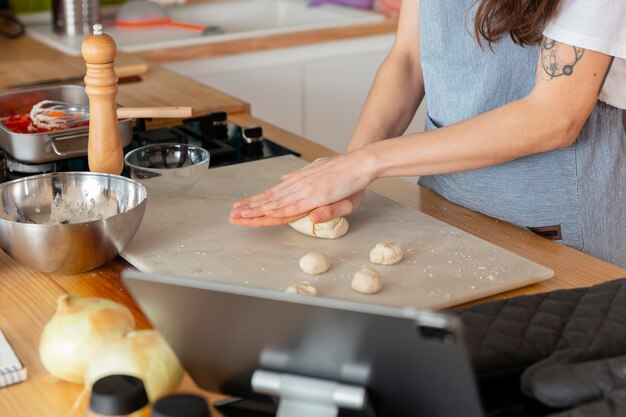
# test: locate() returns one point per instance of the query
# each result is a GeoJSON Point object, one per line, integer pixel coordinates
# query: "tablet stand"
{"type": "Point", "coordinates": [308, 397]}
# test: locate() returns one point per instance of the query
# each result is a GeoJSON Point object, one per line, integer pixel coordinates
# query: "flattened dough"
{"type": "Point", "coordinates": [329, 230]}
{"type": "Point", "coordinates": [302, 288]}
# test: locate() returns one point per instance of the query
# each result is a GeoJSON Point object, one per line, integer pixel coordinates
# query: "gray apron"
{"type": "Point", "coordinates": [573, 195]}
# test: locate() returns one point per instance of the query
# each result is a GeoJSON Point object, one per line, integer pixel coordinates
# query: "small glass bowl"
{"type": "Point", "coordinates": [167, 168]}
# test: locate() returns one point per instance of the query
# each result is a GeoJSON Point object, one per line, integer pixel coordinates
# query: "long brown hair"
{"type": "Point", "coordinates": [522, 20]}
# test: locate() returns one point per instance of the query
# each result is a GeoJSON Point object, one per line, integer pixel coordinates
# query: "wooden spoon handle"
{"type": "Point", "coordinates": [130, 70]}
{"type": "Point", "coordinates": [153, 112]}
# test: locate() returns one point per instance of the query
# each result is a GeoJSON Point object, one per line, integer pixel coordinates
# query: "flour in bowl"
{"type": "Point", "coordinates": [80, 210]}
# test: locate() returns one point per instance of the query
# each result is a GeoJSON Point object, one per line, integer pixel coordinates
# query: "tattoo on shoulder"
{"type": "Point", "coordinates": [559, 59]}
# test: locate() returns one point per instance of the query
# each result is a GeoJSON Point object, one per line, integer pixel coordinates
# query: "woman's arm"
{"type": "Point", "coordinates": [550, 117]}
{"type": "Point", "coordinates": [398, 88]}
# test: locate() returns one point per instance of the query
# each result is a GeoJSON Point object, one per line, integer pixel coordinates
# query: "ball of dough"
{"type": "Point", "coordinates": [301, 288]}
{"type": "Point", "coordinates": [329, 230]}
{"type": "Point", "coordinates": [386, 253]}
{"type": "Point", "coordinates": [314, 263]}
{"type": "Point", "coordinates": [367, 281]}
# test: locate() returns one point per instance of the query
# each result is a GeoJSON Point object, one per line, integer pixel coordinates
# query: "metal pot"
{"type": "Point", "coordinates": [36, 148]}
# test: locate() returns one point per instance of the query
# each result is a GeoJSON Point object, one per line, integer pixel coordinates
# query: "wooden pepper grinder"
{"type": "Point", "coordinates": [104, 149]}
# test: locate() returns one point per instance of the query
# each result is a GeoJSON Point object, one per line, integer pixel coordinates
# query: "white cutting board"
{"type": "Point", "coordinates": [189, 236]}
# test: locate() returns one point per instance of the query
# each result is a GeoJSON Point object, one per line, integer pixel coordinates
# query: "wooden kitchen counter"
{"type": "Point", "coordinates": [572, 268]}
{"type": "Point", "coordinates": [26, 60]}
{"type": "Point", "coordinates": [27, 298]}
{"type": "Point", "coordinates": [238, 46]}
{"type": "Point", "coordinates": [208, 50]}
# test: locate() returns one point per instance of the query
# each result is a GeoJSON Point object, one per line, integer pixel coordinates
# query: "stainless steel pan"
{"type": "Point", "coordinates": [36, 148]}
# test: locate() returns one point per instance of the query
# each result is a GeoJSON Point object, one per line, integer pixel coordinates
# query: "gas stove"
{"type": "Point", "coordinates": [227, 142]}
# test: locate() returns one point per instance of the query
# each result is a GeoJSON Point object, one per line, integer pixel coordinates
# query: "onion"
{"type": "Point", "coordinates": [141, 353]}
{"type": "Point", "coordinates": [76, 332]}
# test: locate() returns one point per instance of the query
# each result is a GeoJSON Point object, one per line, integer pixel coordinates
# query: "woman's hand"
{"type": "Point", "coordinates": [328, 185]}
{"type": "Point", "coordinates": [319, 215]}
{"type": "Point", "coordinates": [341, 208]}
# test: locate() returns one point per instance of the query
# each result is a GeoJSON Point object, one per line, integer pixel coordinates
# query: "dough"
{"type": "Point", "coordinates": [367, 281]}
{"type": "Point", "coordinates": [386, 253]}
{"type": "Point", "coordinates": [301, 288]}
{"type": "Point", "coordinates": [329, 230]}
{"type": "Point", "coordinates": [314, 263]}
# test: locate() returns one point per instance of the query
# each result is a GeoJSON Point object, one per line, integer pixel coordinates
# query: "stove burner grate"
{"type": "Point", "coordinates": [226, 142]}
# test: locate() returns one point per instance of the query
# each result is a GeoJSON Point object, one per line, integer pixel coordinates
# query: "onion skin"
{"type": "Point", "coordinates": [141, 353]}
{"type": "Point", "coordinates": [78, 329]}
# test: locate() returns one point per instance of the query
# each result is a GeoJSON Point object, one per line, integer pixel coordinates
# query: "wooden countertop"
{"type": "Point", "coordinates": [28, 297]}
{"type": "Point", "coordinates": [25, 60]}
{"type": "Point", "coordinates": [572, 268]}
{"type": "Point", "coordinates": [208, 50]}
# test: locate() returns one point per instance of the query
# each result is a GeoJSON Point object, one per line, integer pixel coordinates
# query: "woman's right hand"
{"type": "Point", "coordinates": [319, 215]}
{"type": "Point", "coordinates": [340, 208]}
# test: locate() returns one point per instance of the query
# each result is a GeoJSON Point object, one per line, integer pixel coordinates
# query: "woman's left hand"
{"type": "Point", "coordinates": [325, 182]}
{"type": "Point", "coordinates": [319, 215]}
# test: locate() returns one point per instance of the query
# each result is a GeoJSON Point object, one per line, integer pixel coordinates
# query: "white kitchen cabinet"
{"type": "Point", "coordinates": [275, 94]}
{"type": "Point", "coordinates": [316, 91]}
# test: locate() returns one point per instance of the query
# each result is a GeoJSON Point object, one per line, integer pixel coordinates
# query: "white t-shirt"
{"type": "Point", "coordinates": [598, 25]}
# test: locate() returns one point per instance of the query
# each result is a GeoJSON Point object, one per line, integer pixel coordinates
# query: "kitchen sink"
{"type": "Point", "coordinates": [233, 19]}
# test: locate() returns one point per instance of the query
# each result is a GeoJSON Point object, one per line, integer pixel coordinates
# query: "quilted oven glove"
{"type": "Point", "coordinates": [589, 361]}
{"type": "Point", "coordinates": [599, 385]}
{"type": "Point", "coordinates": [548, 333]}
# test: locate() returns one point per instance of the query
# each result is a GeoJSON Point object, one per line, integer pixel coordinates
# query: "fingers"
{"type": "Point", "coordinates": [327, 213]}
{"type": "Point", "coordinates": [288, 206]}
{"type": "Point", "coordinates": [322, 183]}
{"type": "Point", "coordinates": [318, 215]}
{"type": "Point", "coordinates": [278, 192]}
{"type": "Point", "coordinates": [261, 197]}
{"type": "Point", "coordinates": [290, 198]}
{"type": "Point", "coordinates": [263, 221]}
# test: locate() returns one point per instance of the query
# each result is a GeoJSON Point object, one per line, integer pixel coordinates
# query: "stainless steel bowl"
{"type": "Point", "coordinates": [69, 222]}
{"type": "Point", "coordinates": [168, 168]}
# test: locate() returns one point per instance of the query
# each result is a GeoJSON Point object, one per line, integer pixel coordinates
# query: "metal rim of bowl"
{"type": "Point", "coordinates": [75, 173]}
{"type": "Point", "coordinates": [204, 160]}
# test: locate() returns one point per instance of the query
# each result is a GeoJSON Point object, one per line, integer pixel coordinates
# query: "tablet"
{"type": "Point", "coordinates": [310, 353]}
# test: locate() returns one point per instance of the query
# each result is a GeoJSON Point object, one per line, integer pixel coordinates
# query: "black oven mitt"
{"type": "Point", "coordinates": [600, 385]}
{"type": "Point", "coordinates": [547, 336]}
{"type": "Point", "coordinates": [508, 335]}
{"type": "Point", "coordinates": [607, 408]}
{"type": "Point", "coordinates": [589, 362]}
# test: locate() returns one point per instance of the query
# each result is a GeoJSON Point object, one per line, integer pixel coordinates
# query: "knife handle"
{"type": "Point", "coordinates": [131, 70]}
{"type": "Point", "coordinates": [153, 112]}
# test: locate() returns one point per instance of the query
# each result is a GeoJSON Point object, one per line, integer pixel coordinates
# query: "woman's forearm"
{"type": "Point", "coordinates": [392, 101]}
{"type": "Point", "coordinates": [517, 129]}
{"type": "Point", "coordinates": [548, 118]}
{"type": "Point", "coordinates": [398, 88]}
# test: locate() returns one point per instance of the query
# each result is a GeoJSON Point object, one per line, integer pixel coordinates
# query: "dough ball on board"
{"type": "Point", "coordinates": [314, 263]}
{"type": "Point", "coordinates": [329, 230]}
{"type": "Point", "coordinates": [301, 288]}
{"type": "Point", "coordinates": [386, 253]}
{"type": "Point", "coordinates": [367, 281]}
